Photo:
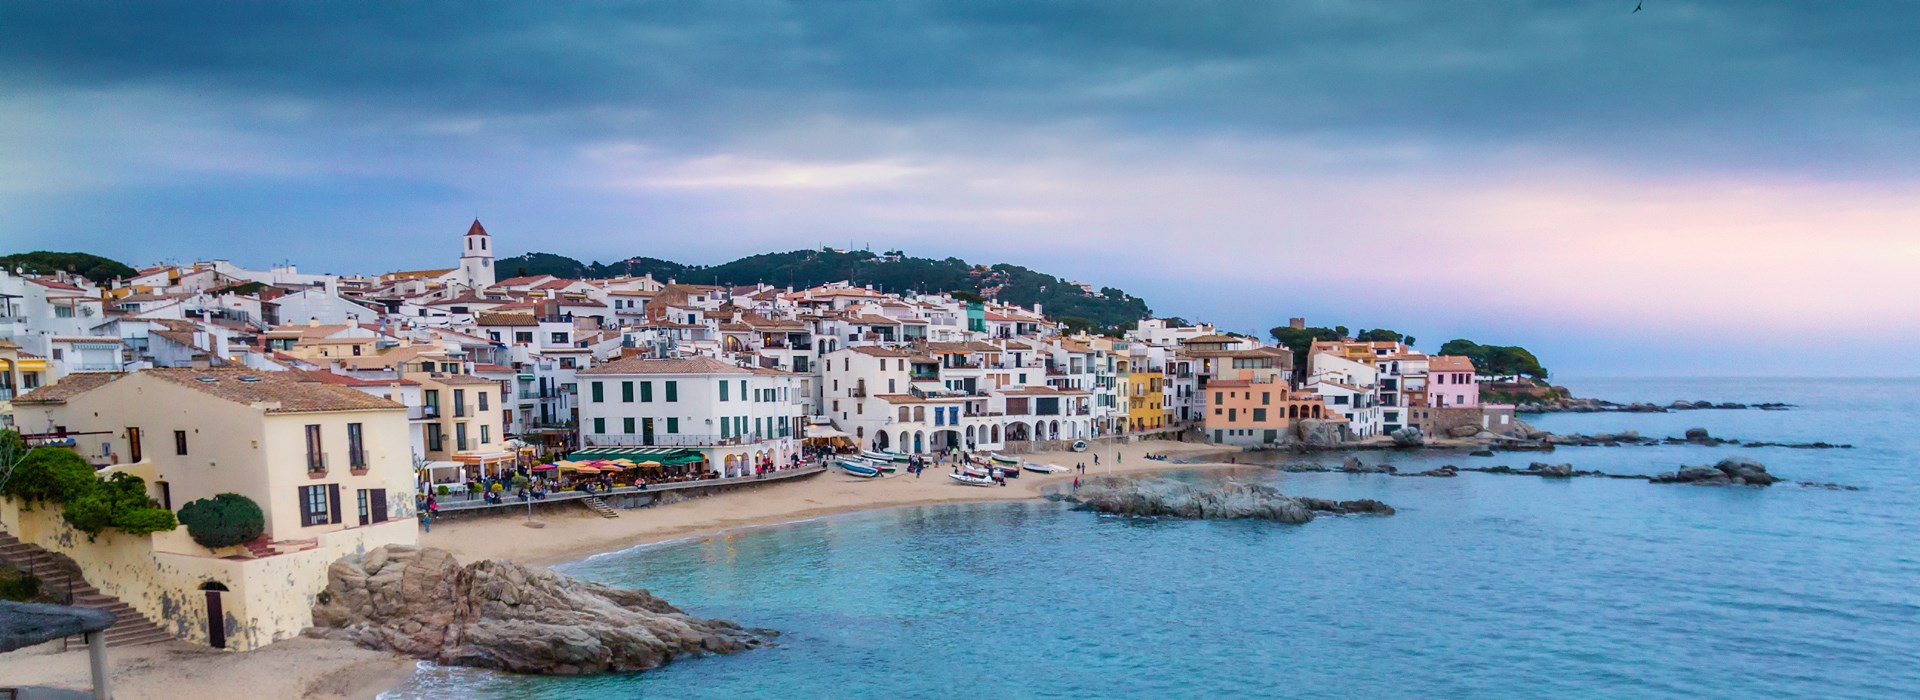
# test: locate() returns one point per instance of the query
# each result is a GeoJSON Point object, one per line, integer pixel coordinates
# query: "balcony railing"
{"type": "Point", "coordinates": [422, 412]}
{"type": "Point", "coordinates": [316, 463]}
{"type": "Point", "coordinates": [357, 461]}
{"type": "Point", "coordinates": [529, 393]}
{"type": "Point", "coordinates": [678, 439]}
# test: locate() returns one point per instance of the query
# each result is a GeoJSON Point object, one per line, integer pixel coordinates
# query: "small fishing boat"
{"type": "Point", "coordinates": [880, 464]}
{"type": "Point", "coordinates": [1003, 459]}
{"type": "Point", "coordinates": [883, 456]}
{"type": "Point", "coordinates": [859, 469]}
{"type": "Point", "coordinates": [1079, 445]}
{"type": "Point", "coordinates": [1008, 471]}
{"type": "Point", "coordinates": [971, 479]}
{"type": "Point", "coordinates": [1045, 468]}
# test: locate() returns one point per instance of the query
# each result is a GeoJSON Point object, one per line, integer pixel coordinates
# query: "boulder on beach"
{"type": "Point", "coordinates": [1229, 500]}
{"type": "Point", "coordinates": [1313, 432]}
{"type": "Point", "coordinates": [500, 615]}
{"type": "Point", "coordinates": [1410, 436]}
{"type": "Point", "coordinates": [1353, 465]}
{"type": "Point", "coordinates": [1463, 431]}
{"type": "Point", "coordinates": [1525, 431]}
{"type": "Point", "coordinates": [1732, 471]}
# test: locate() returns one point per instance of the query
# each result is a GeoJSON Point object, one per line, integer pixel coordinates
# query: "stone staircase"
{"type": "Point", "coordinates": [601, 507]}
{"type": "Point", "coordinates": [59, 575]}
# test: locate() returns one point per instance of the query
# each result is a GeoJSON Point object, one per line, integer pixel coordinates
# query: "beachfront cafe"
{"type": "Point", "coordinates": [646, 464]}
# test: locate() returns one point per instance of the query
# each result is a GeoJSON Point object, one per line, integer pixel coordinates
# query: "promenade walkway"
{"type": "Point", "coordinates": [510, 501]}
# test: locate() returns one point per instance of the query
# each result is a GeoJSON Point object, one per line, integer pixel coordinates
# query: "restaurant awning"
{"type": "Point", "coordinates": [825, 431]}
{"type": "Point", "coordinates": [664, 455]}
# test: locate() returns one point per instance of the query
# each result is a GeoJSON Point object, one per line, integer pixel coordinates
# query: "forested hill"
{"type": "Point", "coordinates": [1104, 307]}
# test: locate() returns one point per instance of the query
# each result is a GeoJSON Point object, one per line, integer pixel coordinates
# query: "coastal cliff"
{"type": "Point", "coordinates": [1231, 500]}
{"type": "Point", "coordinates": [501, 615]}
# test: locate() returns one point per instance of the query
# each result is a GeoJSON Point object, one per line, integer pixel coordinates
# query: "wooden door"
{"type": "Point", "coordinates": [216, 623]}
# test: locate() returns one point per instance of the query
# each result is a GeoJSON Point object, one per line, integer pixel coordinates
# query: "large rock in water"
{"type": "Point", "coordinates": [1230, 500]}
{"type": "Point", "coordinates": [501, 615]}
{"type": "Point", "coordinates": [1409, 436]}
{"type": "Point", "coordinates": [1464, 431]}
{"type": "Point", "coordinates": [1730, 471]}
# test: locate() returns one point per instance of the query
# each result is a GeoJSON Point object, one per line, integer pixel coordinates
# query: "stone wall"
{"type": "Point", "coordinates": [161, 575]}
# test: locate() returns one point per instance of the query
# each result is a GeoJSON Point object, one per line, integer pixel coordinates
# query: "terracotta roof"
{"type": "Point", "coordinates": [476, 229]}
{"type": "Point", "coordinates": [325, 377]}
{"type": "Point", "coordinates": [693, 365]}
{"type": "Point", "coordinates": [1449, 363]}
{"type": "Point", "coordinates": [461, 379]}
{"type": "Point", "coordinates": [515, 281]}
{"type": "Point", "coordinates": [68, 387]}
{"type": "Point", "coordinates": [1042, 391]}
{"type": "Point", "coordinates": [55, 285]}
{"type": "Point", "coordinates": [497, 319]}
{"type": "Point", "coordinates": [293, 391]}
{"type": "Point", "coordinates": [877, 351]}
{"type": "Point", "coordinates": [962, 347]}
{"type": "Point", "coordinates": [488, 367]}
{"type": "Point", "coordinates": [1213, 338]}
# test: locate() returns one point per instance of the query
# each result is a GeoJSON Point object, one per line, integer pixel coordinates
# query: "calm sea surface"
{"type": "Point", "coordinates": [1483, 586]}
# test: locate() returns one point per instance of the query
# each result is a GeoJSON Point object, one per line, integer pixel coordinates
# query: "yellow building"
{"type": "Point", "coordinates": [20, 373]}
{"type": "Point", "coordinates": [1142, 384]}
{"type": "Point", "coordinates": [329, 467]}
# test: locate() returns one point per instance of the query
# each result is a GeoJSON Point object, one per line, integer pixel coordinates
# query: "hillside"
{"type": "Point", "coordinates": [893, 273]}
{"type": "Point", "coordinates": [43, 262]}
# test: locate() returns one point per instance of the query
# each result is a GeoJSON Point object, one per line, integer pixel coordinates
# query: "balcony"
{"type": "Point", "coordinates": [529, 394]}
{"type": "Point", "coordinates": [357, 462]}
{"type": "Point", "coordinates": [316, 464]}
{"type": "Point", "coordinates": [678, 440]}
{"type": "Point", "coordinates": [423, 412]}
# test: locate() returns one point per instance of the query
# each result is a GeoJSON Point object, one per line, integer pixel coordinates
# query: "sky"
{"type": "Point", "coordinates": [1698, 188]}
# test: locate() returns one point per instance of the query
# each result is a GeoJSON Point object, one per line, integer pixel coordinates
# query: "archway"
{"type": "Point", "coordinates": [919, 442]}
{"type": "Point", "coordinates": [880, 440]}
{"type": "Point", "coordinates": [216, 617]}
{"type": "Point", "coordinates": [906, 441]}
{"type": "Point", "coordinates": [996, 435]}
{"type": "Point", "coordinates": [1053, 430]}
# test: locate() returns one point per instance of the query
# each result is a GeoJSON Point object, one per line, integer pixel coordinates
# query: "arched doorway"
{"type": "Point", "coordinates": [216, 617]}
{"type": "Point", "coordinates": [919, 442]}
{"type": "Point", "coordinates": [879, 440]}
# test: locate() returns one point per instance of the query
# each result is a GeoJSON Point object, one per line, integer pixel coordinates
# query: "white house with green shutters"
{"type": "Point", "coordinates": [738, 420]}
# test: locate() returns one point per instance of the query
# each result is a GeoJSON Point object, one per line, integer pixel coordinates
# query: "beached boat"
{"type": "Point", "coordinates": [884, 456]}
{"type": "Point", "coordinates": [1003, 459]}
{"type": "Point", "coordinates": [1079, 445]}
{"type": "Point", "coordinates": [1010, 471]}
{"type": "Point", "coordinates": [971, 479]}
{"type": "Point", "coordinates": [859, 469]}
{"type": "Point", "coordinates": [1046, 468]}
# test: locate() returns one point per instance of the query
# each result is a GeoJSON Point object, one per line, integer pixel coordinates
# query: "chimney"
{"type": "Point", "coordinates": [313, 322]}
{"type": "Point", "coordinates": [1297, 323]}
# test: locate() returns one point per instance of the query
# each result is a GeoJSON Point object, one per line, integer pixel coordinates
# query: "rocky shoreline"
{"type": "Point", "coordinates": [500, 615]}
{"type": "Point", "coordinates": [1571, 405]}
{"type": "Point", "coordinates": [1230, 500]}
{"type": "Point", "coordinates": [1694, 436]}
{"type": "Point", "coordinates": [1732, 471]}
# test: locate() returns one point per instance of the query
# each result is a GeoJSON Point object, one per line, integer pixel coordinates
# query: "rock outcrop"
{"type": "Point", "coordinates": [1314, 432]}
{"type": "Point", "coordinates": [1733, 471]}
{"type": "Point", "coordinates": [1409, 436]}
{"type": "Point", "coordinates": [1463, 431]}
{"type": "Point", "coordinates": [1353, 465]}
{"type": "Point", "coordinates": [501, 615]}
{"type": "Point", "coordinates": [1230, 500]}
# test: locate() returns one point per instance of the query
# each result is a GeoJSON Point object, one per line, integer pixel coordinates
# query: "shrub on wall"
{"type": "Point", "coordinates": [120, 501]}
{"type": "Point", "coordinates": [224, 520]}
{"type": "Point", "coordinates": [50, 474]}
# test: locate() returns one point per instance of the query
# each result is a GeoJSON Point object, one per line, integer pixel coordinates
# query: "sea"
{"type": "Point", "coordinates": [1482, 586]}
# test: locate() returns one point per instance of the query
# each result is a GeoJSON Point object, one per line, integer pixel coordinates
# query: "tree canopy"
{"type": "Point", "coordinates": [1300, 340]}
{"type": "Point", "coordinates": [1497, 360]}
{"type": "Point", "coordinates": [45, 262]}
{"type": "Point", "coordinates": [1382, 335]}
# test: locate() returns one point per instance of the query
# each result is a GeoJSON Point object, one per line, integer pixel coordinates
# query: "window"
{"type": "Point", "coordinates": [726, 427]}
{"type": "Point", "coordinates": [723, 391]}
{"type": "Point", "coordinates": [558, 337]}
{"type": "Point", "coordinates": [459, 403]}
{"type": "Point", "coordinates": [743, 390]}
{"type": "Point", "coordinates": [319, 504]}
{"type": "Point", "coordinates": [486, 434]}
{"type": "Point", "coordinates": [180, 442]}
{"type": "Point", "coordinates": [481, 397]}
{"type": "Point", "coordinates": [133, 444]}
{"type": "Point", "coordinates": [600, 426]}
{"type": "Point", "coordinates": [1259, 414]}
{"type": "Point", "coordinates": [673, 425]}
{"type": "Point", "coordinates": [356, 447]}
{"type": "Point", "coordinates": [316, 459]}
{"type": "Point", "coordinates": [599, 393]}
{"type": "Point", "coordinates": [460, 436]}
{"type": "Point", "coordinates": [673, 390]}
{"type": "Point", "coordinates": [1266, 397]}
{"type": "Point", "coordinates": [1218, 397]}
{"type": "Point", "coordinates": [626, 425]}
{"type": "Point", "coordinates": [436, 440]}
{"type": "Point", "coordinates": [62, 312]}
{"type": "Point", "coordinates": [523, 337]}
{"type": "Point", "coordinates": [626, 392]}
{"type": "Point", "coordinates": [646, 392]}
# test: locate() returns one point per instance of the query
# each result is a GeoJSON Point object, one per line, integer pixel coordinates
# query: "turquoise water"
{"type": "Point", "coordinates": [1482, 586]}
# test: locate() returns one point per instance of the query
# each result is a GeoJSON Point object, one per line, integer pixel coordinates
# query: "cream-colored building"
{"type": "Point", "coordinates": [329, 466]}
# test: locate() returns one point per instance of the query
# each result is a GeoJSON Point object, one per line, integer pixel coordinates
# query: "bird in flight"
{"type": "Point", "coordinates": [1637, 6]}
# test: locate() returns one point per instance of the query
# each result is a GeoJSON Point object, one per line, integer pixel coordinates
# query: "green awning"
{"type": "Point", "coordinates": [664, 455]}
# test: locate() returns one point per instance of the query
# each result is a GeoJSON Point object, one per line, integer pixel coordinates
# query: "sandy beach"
{"type": "Point", "coordinates": [296, 668]}
{"type": "Point", "coordinates": [573, 534]}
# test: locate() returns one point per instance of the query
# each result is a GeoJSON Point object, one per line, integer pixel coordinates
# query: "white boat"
{"type": "Point", "coordinates": [1079, 445]}
{"type": "Point", "coordinates": [1046, 468]}
{"type": "Point", "coordinates": [971, 480]}
{"type": "Point", "coordinates": [1003, 459]}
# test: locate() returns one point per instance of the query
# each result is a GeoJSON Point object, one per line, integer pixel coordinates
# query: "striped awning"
{"type": "Point", "coordinates": [663, 455]}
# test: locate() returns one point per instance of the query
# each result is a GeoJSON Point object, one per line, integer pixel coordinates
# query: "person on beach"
{"type": "Point", "coordinates": [426, 521]}
{"type": "Point", "coordinates": [1096, 459]}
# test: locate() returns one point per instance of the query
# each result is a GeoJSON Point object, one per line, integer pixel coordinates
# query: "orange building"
{"type": "Point", "coordinates": [1251, 412]}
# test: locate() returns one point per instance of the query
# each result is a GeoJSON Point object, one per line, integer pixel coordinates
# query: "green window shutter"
{"type": "Point", "coordinates": [599, 393]}
{"type": "Point", "coordinates": [600, 425]}
{"type": "Point", "coordinates": [723, 390]}
{"type": "Point", "coordinates": [626, 392]}
{"type": "Point", "coordinates": [673, 425]}
{"type": "Point", "coordinates": [627, 423]}
{"type": "Point", "coordinates": [726, 427]}
{"type": "Point", "coordinates": [673, 390]}
{"type": "Point", "coordinates": [646, 392]}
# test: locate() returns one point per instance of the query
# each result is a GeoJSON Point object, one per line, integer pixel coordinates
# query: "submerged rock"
{"type": "Point", "coordinates": [1352, 465]}
{"type": "Point", "coordinates": [1441, 471]}
{"type": "Point", "coordinates": [501, 615]}
{"type": "Point", "coordinates": [1230, 500]}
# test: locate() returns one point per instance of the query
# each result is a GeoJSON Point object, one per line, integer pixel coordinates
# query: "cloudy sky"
{"type": "Point", "coordinates": [1699, 188]}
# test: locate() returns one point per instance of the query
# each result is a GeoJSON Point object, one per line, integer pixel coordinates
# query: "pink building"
{"type": "Point", "coordinates": [1451, 383]}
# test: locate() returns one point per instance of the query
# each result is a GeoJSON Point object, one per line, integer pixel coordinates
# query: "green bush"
{"type": "Point", "coordinates": [441, 489]}
{"type": "Point", "coordinates": [51, 474]}
{"type": "Point", "coordinates": [91, 513]}
{"type": "Point", "coordinates": [224, 520]}
{"type": "Point", "coordinates": [19, 586]}
{"type": "Point", "coordinates": [142, 521]}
